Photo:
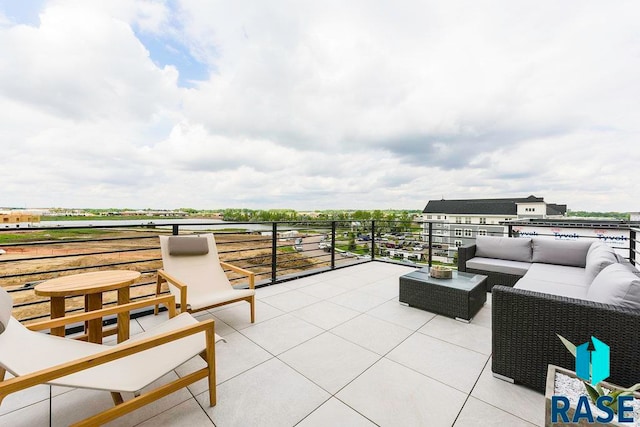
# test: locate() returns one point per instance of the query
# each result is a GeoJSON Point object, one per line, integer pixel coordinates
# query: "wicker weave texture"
{"type": "Point", "coordinates": [465, 253]}
{"type": "Point", "coordinates": [442, 299]}
{"type": "Point", "coordinates": [525, 324]}
{"type": "Point", "coordinates": [496, 279]}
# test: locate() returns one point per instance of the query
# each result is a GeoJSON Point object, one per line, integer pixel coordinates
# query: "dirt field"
{"type": "Point", "coordinates": [23, 265]}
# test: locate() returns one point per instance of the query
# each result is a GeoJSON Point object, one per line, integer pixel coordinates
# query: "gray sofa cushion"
{"type": "Point", "coordinates": [629, 266]}
{"type": "Point", "coordinates": [514, 249]}
{"type": "Point", "coordinates": [186, 245]}
{"type": "Point", "coordinates": [573, 276]}
{"type": "Point", "coordinates": [618, 285]}
{"type": "Point", "coordinates": [595, 245]}
{"type": "Point", "coordinates": [598, 257]}
{"type": "Point", "coordinates": [6, 304]}
{"type": "Point", "coordinates": [517, 268]}
{"type": "Point", "coordinates": [561, 252]}
{"type": "Point", "coordinates": [553, 288]}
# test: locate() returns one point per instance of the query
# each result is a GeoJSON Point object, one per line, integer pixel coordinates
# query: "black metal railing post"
{"type": "Point", "coordinates": [430, 243]}
{"type": "Point", "coordinates": [176, 230]}
{"type": "Point", "coordinates": [632, 246]}
{"type": "Point", "coordinates": [510, 228]}
{"type": "Point", "coordinates": [274, 252]}
{"type": "Point", "coordinates": [373, 240]}
{"type": "Point", "coordinates": [333, 245]}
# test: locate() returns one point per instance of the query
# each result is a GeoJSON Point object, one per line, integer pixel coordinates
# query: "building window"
{"type": "Point", "coordinates": [483, 220]}
{"type": "Point", "coordinates": [467, 232]}
{"type": "Point", "coordinates": [458, 220]}
{"type": "Point", "coordinates": [458, 232]}
{"type": "Point", "coordinates": [482, 232]}
{"type": "Point", "coordinates": [428, 216]}
{"type": "Point", "coordinates": [467, 220]}
{"type": "Point", "coordinates": [439, 217]}
{"type": "Point", "coordinates": [458, 243]}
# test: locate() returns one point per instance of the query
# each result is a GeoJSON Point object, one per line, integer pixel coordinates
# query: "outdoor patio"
{"type": "Point", "coordinates": [331, 349]}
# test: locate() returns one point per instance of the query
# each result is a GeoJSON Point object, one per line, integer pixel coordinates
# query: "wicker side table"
{"type": "Point", "coordinates": [460, 297]}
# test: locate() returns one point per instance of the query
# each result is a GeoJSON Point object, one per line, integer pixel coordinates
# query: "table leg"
{"type": "Point", "coordinates": [94, 327]}
{"type": "Point", "coordinates": [57, 310]}
{"type": "Point", "coordinates": [123, 318]}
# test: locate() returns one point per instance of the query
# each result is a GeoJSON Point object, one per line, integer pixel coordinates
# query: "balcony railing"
{"type": "Point", "coordinates": [274, 251]}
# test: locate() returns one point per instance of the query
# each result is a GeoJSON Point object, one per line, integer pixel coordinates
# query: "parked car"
{"type": "Point", "coordinates": [298, 245]}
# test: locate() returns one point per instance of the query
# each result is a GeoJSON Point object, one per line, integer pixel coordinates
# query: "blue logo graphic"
{"type": "Point", "coordinates": [593, 365]}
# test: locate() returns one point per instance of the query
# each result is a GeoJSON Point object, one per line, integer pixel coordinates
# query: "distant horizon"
{"type": "Point", "coordinates": [215, 210]}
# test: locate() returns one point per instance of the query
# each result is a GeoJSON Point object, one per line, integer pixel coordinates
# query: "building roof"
{"type": "Point", "coordinates": [507, 206]}
{"type": "Point", "coordinates": [553, 209]}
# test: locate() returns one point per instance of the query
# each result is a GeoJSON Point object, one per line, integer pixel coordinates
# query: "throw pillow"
{"type": "Point", "coordinates": [598, 258]}
{"type": "Point", "coordinates": [617, 285]}
{"type": "Point", "coordinates": [185, 245]}
{"type": "Point", "coordinates": [560, 252]}
{"type": "Point", "coordinates": [511, 248]}
{"type": "Point", "coordinates": [594, 245]}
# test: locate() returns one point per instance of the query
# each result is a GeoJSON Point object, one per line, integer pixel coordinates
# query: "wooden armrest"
{"type": "Point", "coordinates": [167, 300]}
{"type": "Point", "coordinates": [250, 274]}
{"type": "Point", "coordinates": [170, 279]}
{"type": "Point", "coordinates": [45, 375]}
{"type": "Point", "coordinates": [182, 287]}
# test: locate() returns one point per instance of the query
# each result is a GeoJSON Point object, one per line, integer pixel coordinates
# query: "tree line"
{"type": "Point", "coordinates": [587, 214]}
{"type": "Point", "coordinates": [329, 215]}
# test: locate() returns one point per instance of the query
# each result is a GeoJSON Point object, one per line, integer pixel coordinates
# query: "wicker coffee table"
{"type": "Point", "coordinates": [460, 297]}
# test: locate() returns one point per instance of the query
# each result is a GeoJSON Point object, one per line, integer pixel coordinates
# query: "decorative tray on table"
{"type": "Point", "coordinates": [439, 272]}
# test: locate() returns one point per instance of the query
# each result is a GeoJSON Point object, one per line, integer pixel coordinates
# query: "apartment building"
{"type": "Point", "coordinates": [15, 219]}
{"type": "Point", "coordinates": [457, 222]}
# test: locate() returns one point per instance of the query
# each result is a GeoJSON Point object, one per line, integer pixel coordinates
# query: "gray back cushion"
{"type": "Point", "coordinates": [616, 284]}
{"type": "Point", "coordinates": [186, 245]}
{"type": "Point", "coordinates": [513, 248]}
{"type": "Point", "coordinates": [561, 252]}
{"type": "Point", "coordinates": [6, 304]}
{"type": "Point", "coordinates": [599, 256]}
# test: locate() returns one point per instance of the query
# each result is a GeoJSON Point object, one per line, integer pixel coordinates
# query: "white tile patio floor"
{"type": "Point", "coordinates": [334, 349]}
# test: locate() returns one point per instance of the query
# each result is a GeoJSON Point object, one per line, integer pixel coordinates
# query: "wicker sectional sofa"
{"type": "Point", "coordinates": [571, 288]}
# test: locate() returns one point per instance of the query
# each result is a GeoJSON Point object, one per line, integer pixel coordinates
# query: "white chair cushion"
{"type": "Point", "coordinates": [6, 304]}
{"type": "Point", "coordinates": [198, 300]}
{"type": "Point", "coordinates": [197, 272]}
{"type": "Point", "coordinates": [25, 351]}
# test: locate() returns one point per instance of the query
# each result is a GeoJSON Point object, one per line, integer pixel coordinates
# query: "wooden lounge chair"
{"type": "Point", "coordinates": [38, 358]}
{"type": "Point", "coordinates": [196, 276]}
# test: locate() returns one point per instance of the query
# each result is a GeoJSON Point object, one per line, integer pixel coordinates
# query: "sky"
{"type": "Point", "coordinates": [310, 105]}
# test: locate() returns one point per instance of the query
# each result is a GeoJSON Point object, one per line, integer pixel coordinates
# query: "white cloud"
{"type": "Point", "coordinates": [318, 105]}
